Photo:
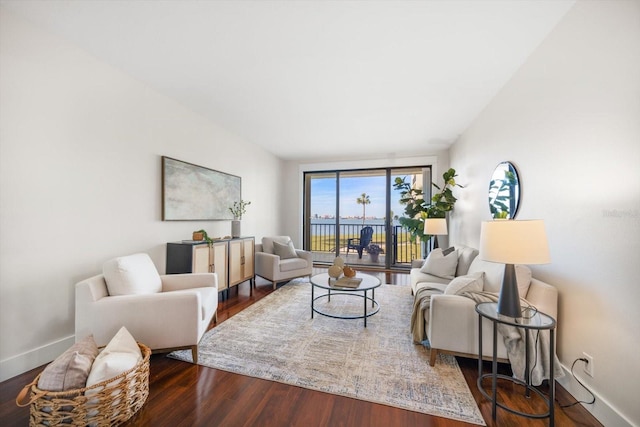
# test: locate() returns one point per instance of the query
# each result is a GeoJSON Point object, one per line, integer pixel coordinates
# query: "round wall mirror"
{"type": "Point", "coordinates": [504, 192]}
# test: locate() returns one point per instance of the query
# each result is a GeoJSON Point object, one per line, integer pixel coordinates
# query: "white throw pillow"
{"type": "Point", "coordinates": [133, 274]}
{"type": "Point", "coordinates": [469, 283]}
{"type": "Point", "coordinates": [121, 354]}
{"type": "Point", "coordinates": [523, 279]}
{"type": "Point", "coordinates": [285, 251]}
{"type": "Point", "coordinates": [440, 265]}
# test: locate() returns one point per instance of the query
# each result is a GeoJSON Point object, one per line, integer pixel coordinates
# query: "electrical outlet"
{"type": "Point", "coordinates": [588, 366]}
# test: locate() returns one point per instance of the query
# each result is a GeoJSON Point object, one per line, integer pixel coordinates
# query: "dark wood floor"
{"type": "Point", "coordinates": [182, 394]}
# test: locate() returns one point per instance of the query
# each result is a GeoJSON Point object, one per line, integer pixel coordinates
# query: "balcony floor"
{"type": "Point", "coordinates": [352, 259]}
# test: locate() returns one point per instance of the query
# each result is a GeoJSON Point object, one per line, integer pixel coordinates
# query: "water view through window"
{"type": "Point", "coordinates": [354, 214]}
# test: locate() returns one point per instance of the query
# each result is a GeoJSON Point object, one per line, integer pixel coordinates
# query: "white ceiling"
{"type": "Point", "coordinates": [315, 79]}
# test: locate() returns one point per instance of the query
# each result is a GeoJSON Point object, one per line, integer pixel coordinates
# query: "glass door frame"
{"type": "Point", "coordinates": [389, 228]}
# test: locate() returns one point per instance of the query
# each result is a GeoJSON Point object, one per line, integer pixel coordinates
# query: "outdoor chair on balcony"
{"type": "Point", "coordinates": [366, 234]}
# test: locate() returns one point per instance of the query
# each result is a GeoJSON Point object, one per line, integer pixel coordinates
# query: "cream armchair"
{"type": "Point", "coordinates": [277, 260]}
{"type": "Point", "coordinates": [165, 313]}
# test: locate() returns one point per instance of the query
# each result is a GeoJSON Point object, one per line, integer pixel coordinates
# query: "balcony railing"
{"type": "Point", "coordinates": [402, 250]}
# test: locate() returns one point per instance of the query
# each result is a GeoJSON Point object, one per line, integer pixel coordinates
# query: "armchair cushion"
{"type": "Point", "coordinates": [440, 265]}
{"type": "Point", "coordinates": [470, 283]}
{"type": "Point", "coordinates": [285, 251]}
{"type": "Point", "coordinates": [131, 275]}
{"type": "Point", "coordinates": [293, 264]}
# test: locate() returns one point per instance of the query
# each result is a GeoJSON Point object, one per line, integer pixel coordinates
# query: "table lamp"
{"type": "Point", "coordinates": [513, 242]}
{"type": "Point", "coordinates": [435, 227]}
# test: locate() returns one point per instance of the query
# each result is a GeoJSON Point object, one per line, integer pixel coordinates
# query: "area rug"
{"type": "Point", "coordinates": [276, 339]}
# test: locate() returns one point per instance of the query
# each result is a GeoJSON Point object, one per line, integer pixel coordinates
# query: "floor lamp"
{"type": "Point", "coordinates": [435, 227]}
{"type": "Point", "coordinates": [513, 242]}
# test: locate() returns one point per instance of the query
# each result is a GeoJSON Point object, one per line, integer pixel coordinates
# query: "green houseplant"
{"type": "Point", "coordinates": [417, 209]}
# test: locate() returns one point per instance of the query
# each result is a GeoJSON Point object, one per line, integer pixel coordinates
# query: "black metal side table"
{"type": "Point", "coordinates": [539, 321]}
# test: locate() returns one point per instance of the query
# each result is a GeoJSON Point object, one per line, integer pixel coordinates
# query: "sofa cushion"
{"type": "Point", "coordinates": [284, 251]}
{"type": "Point", "coordinates": [418, 276]}
{"type": "Point", "coordinates": [431, 285]}
{"type": "Point", "coordinates": [71, 369]}
{"type": "Point", "coordinates": [493, 273]}
{"type": "Point", "coordinates": [469, 283]}
{"type": "Point", "coordinates": [440, 265]}
{"type": "Point", "coordinates": [465, 256]}
{"type": "Point", "coordinates": [267, 243]}
{"type": "Point", "coordinates": [523, 277]}
{"type": "Point", "coordinates": [133, 274]}
{"type": "Point", "coordinates": [121, 354]}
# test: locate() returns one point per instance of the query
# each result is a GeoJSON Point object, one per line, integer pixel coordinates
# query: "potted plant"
{"type": "Point", "coordinates": [417, 209]}
{"type": "Point", "coordinates": [237, 210]}
{"type": "Point", "coordinates": [374, 250]}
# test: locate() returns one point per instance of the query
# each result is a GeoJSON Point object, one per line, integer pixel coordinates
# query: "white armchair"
{"type": "Point", "coordinates": [277, 260]}
{"type": "Point", "coordinates": [165, 312]}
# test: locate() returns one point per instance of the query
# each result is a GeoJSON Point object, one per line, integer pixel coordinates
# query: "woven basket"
{"type": "Point", "coordinates": [109, 403]}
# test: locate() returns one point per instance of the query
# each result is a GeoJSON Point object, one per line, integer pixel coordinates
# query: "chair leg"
{"type": "Point", "coordinates": [433, 356]}
{"type": "Point", "coordinates": [274, 285]}
{"type": "Point", "coordinates": [194, 353]}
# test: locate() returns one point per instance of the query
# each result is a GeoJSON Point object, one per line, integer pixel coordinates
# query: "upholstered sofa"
{"type": "Point", "coordinates": [277, 260]}
{"type": "Point", "coordinates": [164, 312]}
{"type": "Point", "coordinates": [451, 322]}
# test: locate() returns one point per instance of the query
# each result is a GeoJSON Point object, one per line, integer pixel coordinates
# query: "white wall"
{"type": "Point", "coordinates": [80, 182]}
{"type": "Point", "coordinates": [570, 121]}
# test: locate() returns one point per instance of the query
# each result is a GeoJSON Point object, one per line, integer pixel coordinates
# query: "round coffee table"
{"type": "Point", "coordinates": [368, 283]}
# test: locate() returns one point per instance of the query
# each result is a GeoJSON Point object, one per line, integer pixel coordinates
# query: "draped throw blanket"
{"type": "Point", "coordinates": [513, 337]}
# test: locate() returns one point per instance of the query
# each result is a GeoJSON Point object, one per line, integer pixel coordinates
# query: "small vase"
{"type": "Point", "coordinates": [235, 228]}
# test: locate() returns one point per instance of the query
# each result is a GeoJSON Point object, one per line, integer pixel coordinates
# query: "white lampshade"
{"type": "Point", "coordinates": [435, 226]}
{"type": "Point", "coordinates": [514, 242]}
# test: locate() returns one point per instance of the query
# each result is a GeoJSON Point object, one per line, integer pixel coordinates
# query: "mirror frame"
{"type": "Point", "coordinates": [501, 182]}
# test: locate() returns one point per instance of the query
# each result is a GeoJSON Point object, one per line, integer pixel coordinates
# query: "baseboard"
{"type": "Point", "coordinates": [601, 409]}
{"type": "Point", "coordinates": [24, 362]}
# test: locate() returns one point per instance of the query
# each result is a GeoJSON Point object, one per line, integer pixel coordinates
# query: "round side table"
{"type": "Point", "coordinates": [539, 321]}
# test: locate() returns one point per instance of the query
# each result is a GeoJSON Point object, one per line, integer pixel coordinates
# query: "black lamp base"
{"type": "Point", "coordinates": [509, 300]}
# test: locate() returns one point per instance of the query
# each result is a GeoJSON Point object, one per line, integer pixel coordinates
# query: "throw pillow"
{"type": "Point", "coordinates": [440, 265]}
{"type": "Point", "coordinates": [133, 274]}
{"type": "Point", "coordinates": [470, 283]}
{"type": "Point", "coordinates": [267, 243]}
{"type": "Point", "coordinates": [523, 279]}
{"type": "Point", "coordinates": [121, 354]}
{"type": "Point", "coordinates": [285, 251]}
{"type": "Point", "coordinates": [71, 369]}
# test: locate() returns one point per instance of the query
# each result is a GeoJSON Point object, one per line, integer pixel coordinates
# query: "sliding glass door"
{"type": "Point", "coordinates": [354, 214]}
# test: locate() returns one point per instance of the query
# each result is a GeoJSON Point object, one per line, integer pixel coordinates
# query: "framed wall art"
{"type": "Point", "coordinates": [195, 193]}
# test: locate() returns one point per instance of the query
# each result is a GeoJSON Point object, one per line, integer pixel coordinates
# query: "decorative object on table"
{"type": "Point", "coordinates": [348, 271]}
{"type": "Point", "coordinates": [513, 242]}
{"type": "Point", "coordinates": [339, 262]}
{"type": "Point", "coordinates": [346, 282]}
{"type": "Point", "coordinates": [416, 207]}
{"type": "Point", "coordinates": [191, 192]}
{"type": "Point", "coordinates": [335, 271]}
{"type": "Point", "coordinates": [237, 210]}
{"type": "Point", "coordinates": [504, 192]}
{"type": "Point", "coordinates": [374, 251]}
{"type": "Point", "coordinates": [435, 227]}
{"type": "Point", "coordinates": [202, 235]}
